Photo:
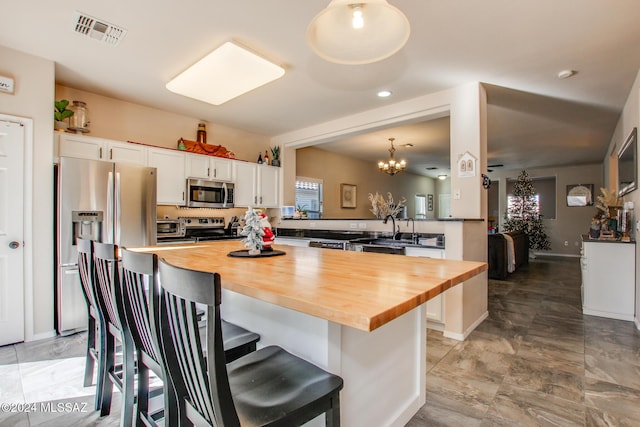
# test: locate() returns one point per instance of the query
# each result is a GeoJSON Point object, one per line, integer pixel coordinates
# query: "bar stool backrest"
{"type": "Point", "coordinates": [87, 271]}
{"type": "Point", "coordinates": [106, 265]}
{"type": "Point", "coordinates": [138, 270]}
{"type": "Point", "coordinates": [202, 382]}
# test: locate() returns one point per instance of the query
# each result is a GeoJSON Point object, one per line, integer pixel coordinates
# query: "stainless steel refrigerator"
{"type": "Point", "coordinates": [108, 202]}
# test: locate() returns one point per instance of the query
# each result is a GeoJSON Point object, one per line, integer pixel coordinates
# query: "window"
{"type": "Point", "coordinates": [545, 197]}
{"type": "Point", "coordinates": [421, 206]}
{"type": "Point", "coordinates": [309, 196]}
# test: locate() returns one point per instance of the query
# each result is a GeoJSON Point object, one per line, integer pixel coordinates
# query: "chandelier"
{"type": "Point", "coordinates": [391, 166]}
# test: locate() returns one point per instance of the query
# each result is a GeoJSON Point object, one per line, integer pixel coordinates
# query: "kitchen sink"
{"type": "Point", "coordinates": [391, 242]}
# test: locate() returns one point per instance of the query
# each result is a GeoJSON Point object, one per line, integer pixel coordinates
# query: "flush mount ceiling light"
{"type": "Point", "coordinates": [391, 166]}
{"type": "Point", "coordinates": [224, 74]}
{"type": "Point", "coordinates": [442, 177]}
{"type": "Point", "coordinates": [384, 93]}
{"type": "Point", "coordinates": [358, 31]}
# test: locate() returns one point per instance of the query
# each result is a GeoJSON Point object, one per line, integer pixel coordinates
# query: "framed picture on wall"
{"type": "Point", "coordinates": [580, 195]}
{"type": "Point", "coordinates": [348, 196]}
{"type": "Point", "coordinates": [429, 202]}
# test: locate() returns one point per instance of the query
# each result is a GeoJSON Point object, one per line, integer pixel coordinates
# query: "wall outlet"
{"type": "Point", "coordinates": [566, 243]}
{"type": "Point", "coordinates": [456, 194]}
{"type": "Point", "coordinates": [362, 225]}
{"type": "Point", "coordinates": [353, 225]}
{"type": "Point", "coordinates": [312, 224]}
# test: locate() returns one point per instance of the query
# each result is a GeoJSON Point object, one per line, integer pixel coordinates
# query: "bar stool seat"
{"type": "Point", "coordinates": [271, 382]}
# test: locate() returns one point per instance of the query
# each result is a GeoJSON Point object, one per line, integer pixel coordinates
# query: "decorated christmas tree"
{"type": "Point", "coordinates": [523, 213]}
{"type": "Point", "coordinates": [253, 230]}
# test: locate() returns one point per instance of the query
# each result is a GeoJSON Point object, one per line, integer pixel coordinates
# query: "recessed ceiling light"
{"type": "Point", "coordinates": [384, 93]}
{"type": "Point", "coordinates": [224, 74]}
{"type": "Point", "coordinates": [565, 74]}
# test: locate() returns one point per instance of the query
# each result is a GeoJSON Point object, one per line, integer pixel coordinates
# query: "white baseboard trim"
{"type": "Point", "coordinates": [465, 334]}
{"type": "Point", "coordinates": [554, 254]}
{"type": "Point", "coordinates": [436, 326]}
{"type": "Point", "coordinates": [40, 336]}
{"type": "Point", "coordinates": [637, 322]}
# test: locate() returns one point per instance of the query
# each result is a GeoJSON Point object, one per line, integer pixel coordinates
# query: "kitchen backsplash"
{"type": "Point", "coordinates": [173, 212]}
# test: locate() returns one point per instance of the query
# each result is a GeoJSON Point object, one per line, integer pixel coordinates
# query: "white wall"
{"type": "Point", "coordinates": [124, 121]}
{"type": "Point", "coordinates": [335, 169]}
{"type": "Point", "coordinates": [629, 119]}
{"type": "Point", "coordinates": [33, 98]}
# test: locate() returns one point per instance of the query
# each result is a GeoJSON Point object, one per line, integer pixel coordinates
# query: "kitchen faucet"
{"type": "Point", "coordinates": [414, 238]}
{"type": "Point", "coordinates": [393, 225]}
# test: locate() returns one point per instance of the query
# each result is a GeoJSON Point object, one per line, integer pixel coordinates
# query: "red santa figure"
{"type": "Point", "coordinates": [268, 237]}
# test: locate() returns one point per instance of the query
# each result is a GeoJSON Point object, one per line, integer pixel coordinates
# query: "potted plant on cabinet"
{"type": "Point", "coordinates": [60, 114]}
{"type": "Point", "coordinates": [275, 156]}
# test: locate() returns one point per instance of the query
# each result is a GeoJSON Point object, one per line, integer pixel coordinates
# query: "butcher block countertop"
{"type": "Point", "coordinates": [362, 290]}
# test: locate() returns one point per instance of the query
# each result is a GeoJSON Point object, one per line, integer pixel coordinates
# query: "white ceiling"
{"type": "Point", "coordinates": [516, 47]}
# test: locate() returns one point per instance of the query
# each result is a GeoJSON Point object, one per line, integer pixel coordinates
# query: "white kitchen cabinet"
{"type": "Point", "coordinates": [435, 306]}
{"type": "Point", "coordinates": [171, 175]}
{"type": "Point", "coordinates": [208, 167]}
{"type": "Point", "coordinates": [256, 185]}
{"type": "Point", "coordinates": [608, 279]}
{"type": "Point", "coordinates": [88, 147]}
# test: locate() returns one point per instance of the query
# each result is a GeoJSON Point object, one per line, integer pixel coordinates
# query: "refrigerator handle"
{"type": "Point", "coordinates": [110, 208]}
{"type": "Point", "coordinates": [118, 210]}
{"type": "Point", "coordinates": [224, 195]}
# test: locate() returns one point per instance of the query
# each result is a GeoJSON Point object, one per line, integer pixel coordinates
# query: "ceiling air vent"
{"type": "Point", "coordinates": [98, 29]}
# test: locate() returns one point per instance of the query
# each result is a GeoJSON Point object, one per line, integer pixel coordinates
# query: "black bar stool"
{"type": "Point", "coordinates": [138, 272]}
{"type": "Point", "coordinates": [268, 387]}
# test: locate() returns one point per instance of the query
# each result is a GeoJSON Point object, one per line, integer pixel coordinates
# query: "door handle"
{"type": "Point", "coordinates": [14, 245]}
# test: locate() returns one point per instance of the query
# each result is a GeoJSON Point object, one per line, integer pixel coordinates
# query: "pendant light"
{"type": "Point", "coordinates": [358, 32]}
{"type": "Point", "coordinates": [391, 166]}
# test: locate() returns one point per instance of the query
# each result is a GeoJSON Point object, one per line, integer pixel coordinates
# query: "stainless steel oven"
{"type": "Point", "coordinates": [209, 194]}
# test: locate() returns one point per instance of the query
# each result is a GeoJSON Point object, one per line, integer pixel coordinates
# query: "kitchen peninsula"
{"type": "Point", "coordinates": [359, 315]}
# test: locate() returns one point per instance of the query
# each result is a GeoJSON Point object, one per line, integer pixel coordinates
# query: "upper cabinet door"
{"type": "Point", "coordinates": [125, 152]}
{"type": "Point", "coordinates": [222, 169]}
{"type": "Point", "coordinates": [171, 175]}
{"type": "Point", "coordinates": [209, 167]}
{"type": "Point", "coordinates": [198, 166]}
{"type": "Point", "coordinates": [89, 147]}
{"type": "Point", "coordinates": [268, 183]}
{"type": "Point", "coordinates": [245, 184]}
{"type": "Point", "coordinates": [80, 147]}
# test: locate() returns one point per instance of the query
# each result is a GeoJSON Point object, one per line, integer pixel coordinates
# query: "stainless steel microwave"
{"type": "Point", "coordinates": [209, 194]}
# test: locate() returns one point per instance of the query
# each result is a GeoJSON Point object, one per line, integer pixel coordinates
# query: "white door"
{"type": "Point", "coordinates": [11, 233]}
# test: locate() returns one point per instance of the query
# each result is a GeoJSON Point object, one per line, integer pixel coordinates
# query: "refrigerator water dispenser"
{"type": "Point", "coordinates": [87, 225]}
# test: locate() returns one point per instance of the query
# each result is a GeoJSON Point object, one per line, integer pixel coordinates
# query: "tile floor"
{"type": "Point", "coordinates": [535, 361]}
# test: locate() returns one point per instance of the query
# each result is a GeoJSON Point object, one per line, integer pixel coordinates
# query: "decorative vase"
{"type": "Point", "coordinates": [275, 162]}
